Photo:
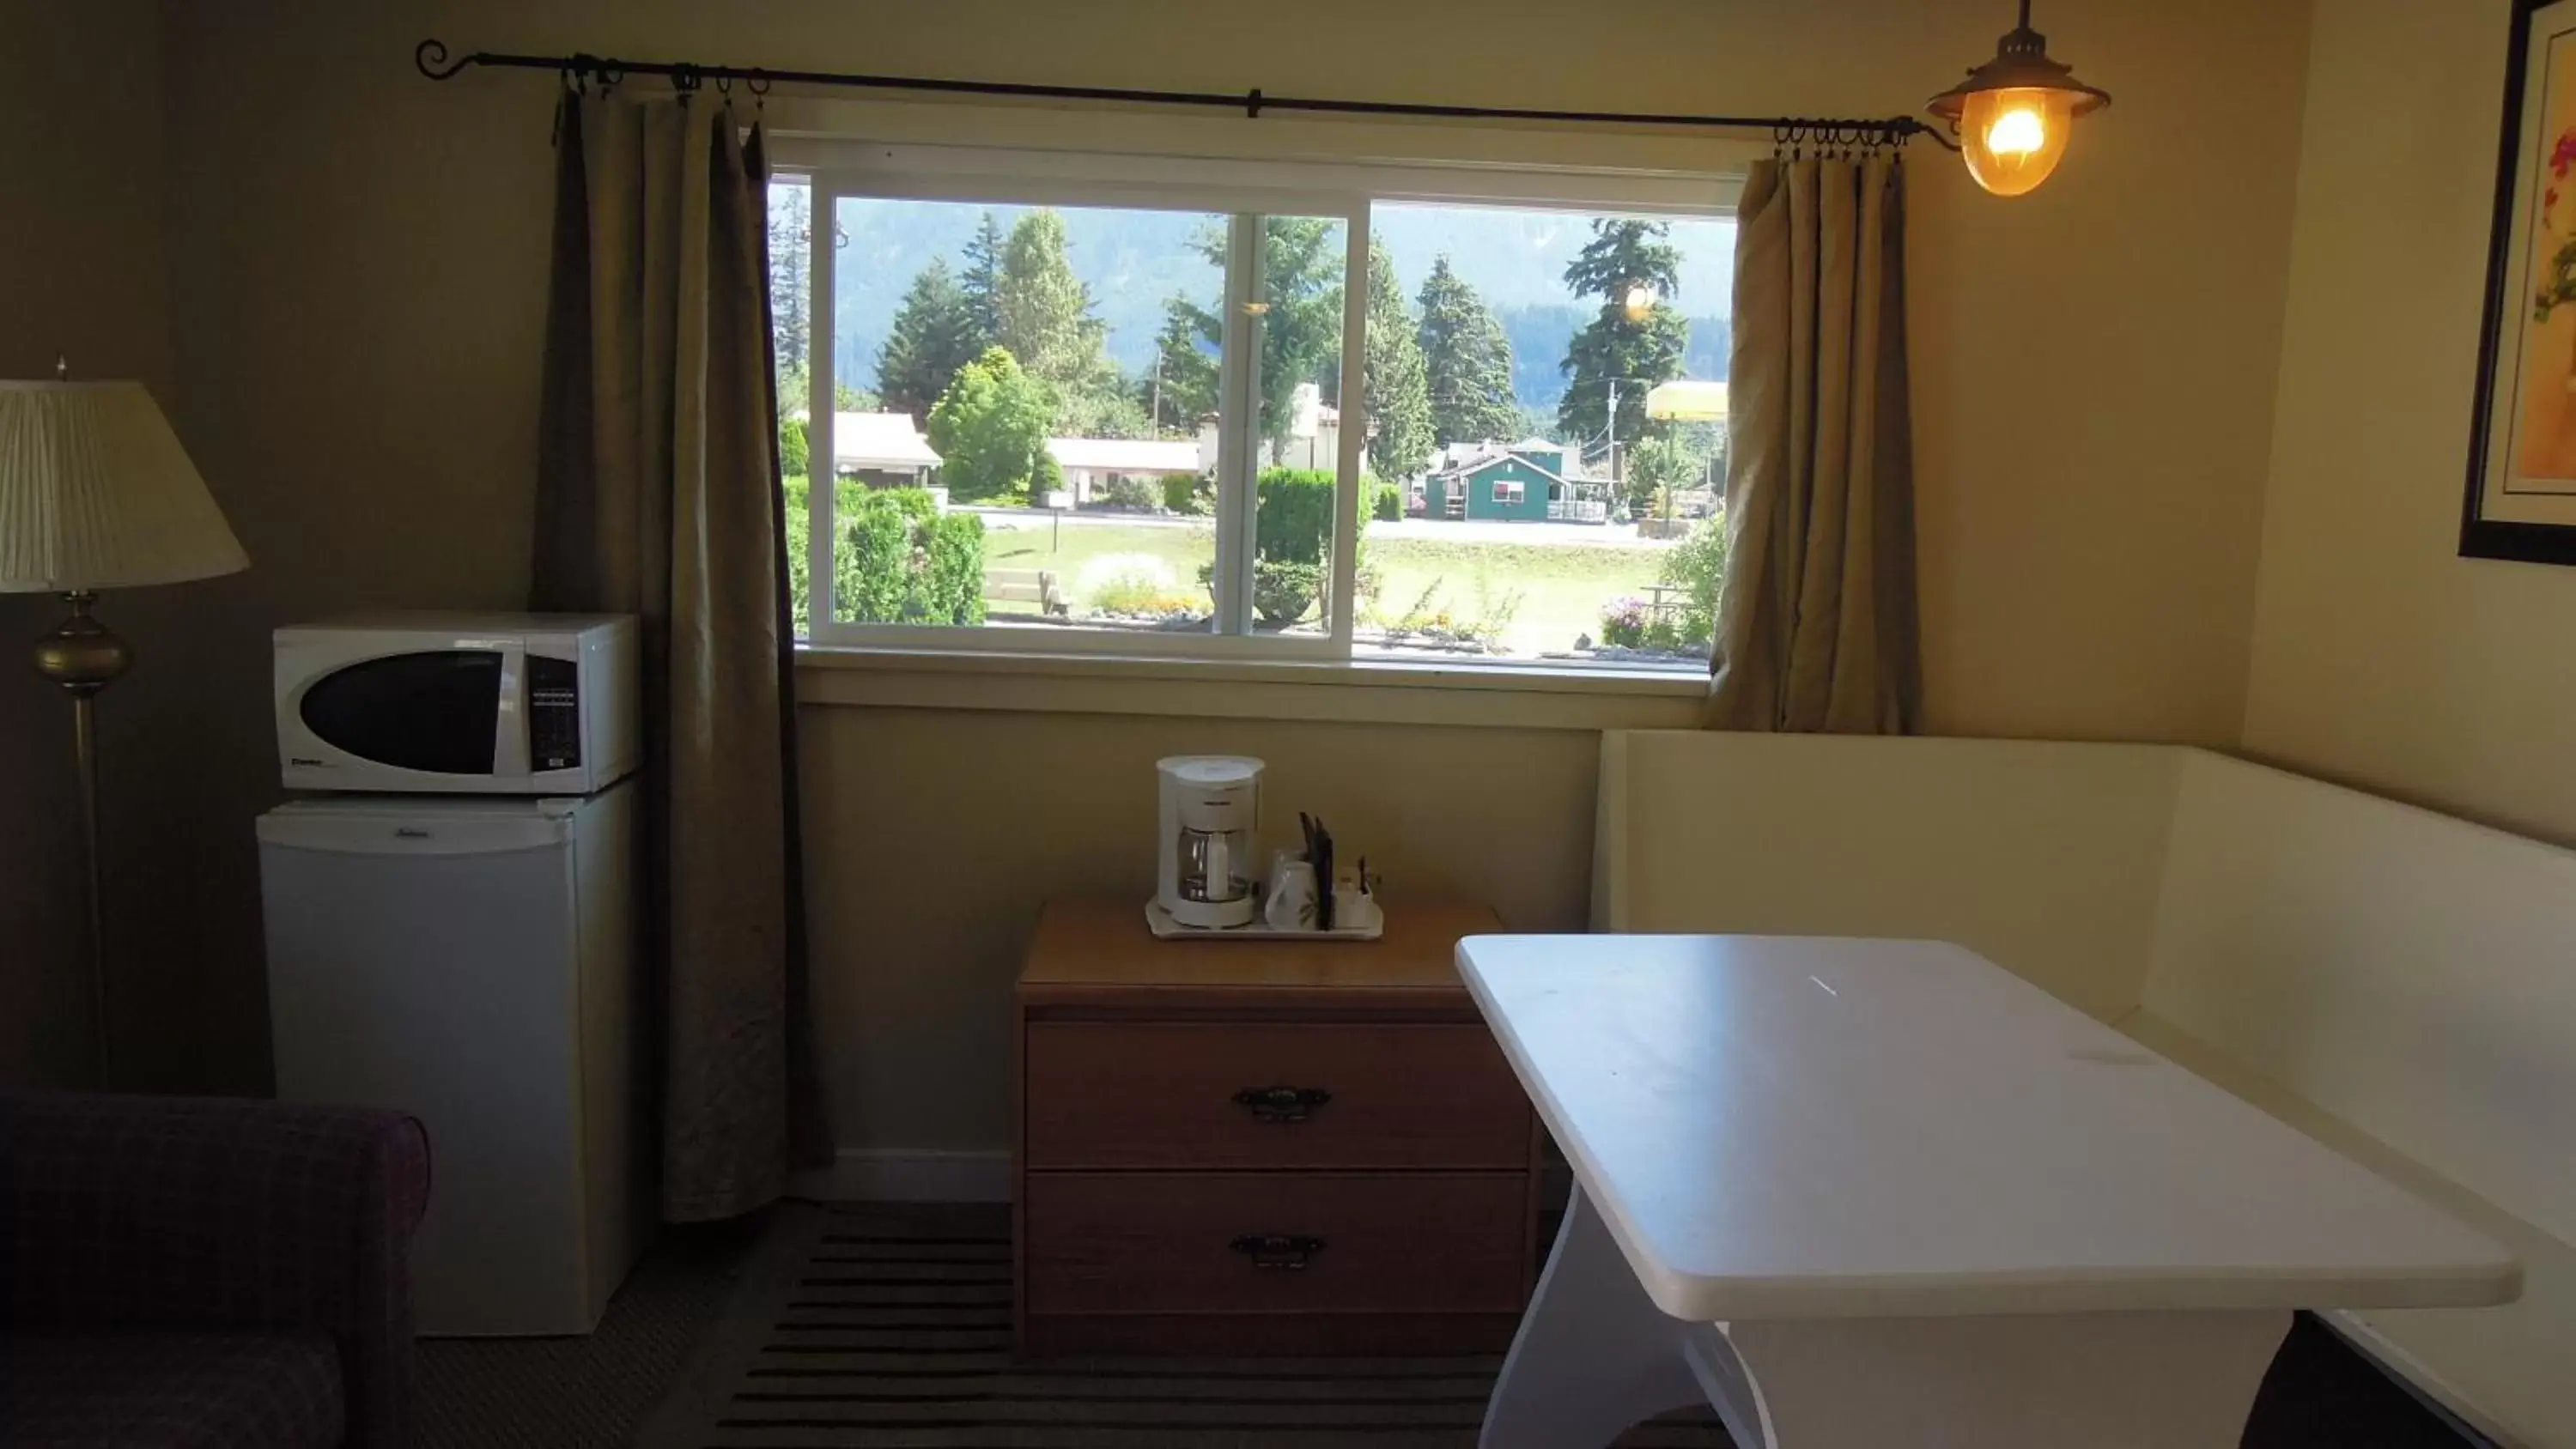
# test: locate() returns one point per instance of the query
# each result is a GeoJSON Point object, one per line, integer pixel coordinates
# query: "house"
{"type": "Point", "coordinates": [883, 450]}
{"type": "Point", "coordinates": [1531, 480]}
{"type": "Point", "coordinates": [1091, 464]}
{"type": "Point", "coordinates": [1314, 437]}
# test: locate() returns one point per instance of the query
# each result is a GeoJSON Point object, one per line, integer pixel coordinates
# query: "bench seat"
{"type": "Point", "coordinates": [2393, 981]}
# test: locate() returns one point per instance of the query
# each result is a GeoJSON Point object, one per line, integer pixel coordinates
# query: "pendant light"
{"type": "Point", "coordinates": [2013, 113]}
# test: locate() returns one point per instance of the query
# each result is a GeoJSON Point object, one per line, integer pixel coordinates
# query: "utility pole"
{"type": "Point", "coordinates": [1157, 413]}
{"type": "Point", "coordinates": [1613, 434]}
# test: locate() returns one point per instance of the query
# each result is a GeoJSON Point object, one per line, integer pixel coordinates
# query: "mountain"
{"type": "Point", "coordinates": [1134, 260]}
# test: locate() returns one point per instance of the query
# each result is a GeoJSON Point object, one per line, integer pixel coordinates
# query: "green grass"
{"type": "Point", "coordinates": [1562, 587]}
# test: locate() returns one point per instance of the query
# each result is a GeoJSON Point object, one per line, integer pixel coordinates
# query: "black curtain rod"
{"type": "Point", "coordinates": [432, 59]}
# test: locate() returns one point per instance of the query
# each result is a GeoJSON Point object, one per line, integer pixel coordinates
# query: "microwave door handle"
{"type": "Point", "coordinates": [510, 749]}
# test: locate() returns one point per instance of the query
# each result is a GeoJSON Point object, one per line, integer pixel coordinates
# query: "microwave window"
{"type": "Point", "coordinates": [438, 712]}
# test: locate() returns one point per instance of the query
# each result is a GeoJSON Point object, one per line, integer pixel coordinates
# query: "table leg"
{"type": "Point", "coordinates": [2180, 1380]}
{"type": "Point", "coordinates": [1593, 1354]}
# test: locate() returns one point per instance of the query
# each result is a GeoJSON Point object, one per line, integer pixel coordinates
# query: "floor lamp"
{"type": "Point", "coordinates": [96, 493]}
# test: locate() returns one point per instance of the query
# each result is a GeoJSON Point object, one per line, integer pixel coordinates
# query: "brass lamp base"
{"type": "Point", "coordinates": [84, 658]}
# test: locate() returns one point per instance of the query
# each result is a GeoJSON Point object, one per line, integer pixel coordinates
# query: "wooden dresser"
{"type": "Point", "coordinates": [1255, 1147]}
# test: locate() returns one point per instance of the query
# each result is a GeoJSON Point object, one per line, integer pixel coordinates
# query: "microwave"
{"type": "Point", "coordinates": [484, 704]}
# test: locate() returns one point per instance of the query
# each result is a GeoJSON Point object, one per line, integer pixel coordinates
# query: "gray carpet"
{"type": "Point", "coordinates": [890, 1328]}
{"type": "Point", "coordinates": [589, 1393]}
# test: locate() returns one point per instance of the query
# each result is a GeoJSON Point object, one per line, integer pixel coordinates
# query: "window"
{"type": "Point", "coordinates": [1053, 402]}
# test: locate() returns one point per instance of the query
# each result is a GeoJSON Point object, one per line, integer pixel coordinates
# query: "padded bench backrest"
{"type": "Point", "coordinates": [2041, 856]}
{"type": "Point", "coordinates": [2410, 973]}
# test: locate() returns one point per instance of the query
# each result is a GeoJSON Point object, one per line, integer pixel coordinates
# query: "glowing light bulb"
{"type": "Point", "coordinates": [2016, 133]}
{"type": "Point", "coordinates": [2013, 138]}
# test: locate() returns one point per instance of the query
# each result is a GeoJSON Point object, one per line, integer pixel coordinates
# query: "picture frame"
{"type": "Point", "coordinates": [2521, 495]}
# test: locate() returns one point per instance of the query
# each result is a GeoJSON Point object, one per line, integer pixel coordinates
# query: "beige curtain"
{"type": "Point", "coordinates": [1816, 627]}
{"type": "Point", "coordinates": [658, 495]}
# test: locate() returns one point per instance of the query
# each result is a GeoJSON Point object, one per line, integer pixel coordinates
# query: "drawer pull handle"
{"type": "Point", "coordinates": [1281, 1104]}
{"type": "Point", "coordinates": [1278, 1252]}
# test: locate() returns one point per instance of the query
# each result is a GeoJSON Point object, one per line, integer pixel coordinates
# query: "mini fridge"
{"type": "Point", "coordinates": [472, 961]}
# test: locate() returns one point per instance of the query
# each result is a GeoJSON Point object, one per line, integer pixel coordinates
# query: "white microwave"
{"type": "Point", "coordinates": [488, 704]}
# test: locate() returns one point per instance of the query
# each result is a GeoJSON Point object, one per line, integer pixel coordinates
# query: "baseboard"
{"type": "Point", "coordinates": [887, 1174]}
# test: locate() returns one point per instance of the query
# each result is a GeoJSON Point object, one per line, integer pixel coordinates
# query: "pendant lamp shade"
{"type": "Point", "coordinates": [96, 493]}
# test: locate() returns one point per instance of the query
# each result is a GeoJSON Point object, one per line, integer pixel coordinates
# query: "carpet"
{"type": "Point", "coordinates": [885, 1327]}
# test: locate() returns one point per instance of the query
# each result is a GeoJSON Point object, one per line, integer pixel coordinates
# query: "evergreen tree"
{"type": "Point", "coordinates": [1395, 385]}
{"type": "Point", "coordinates": [934, 335]}
{"type": "Point", "coordinates": [990, 428]}
{"type": "Point", "coordinates": [1301, 318]}
{"type": "Point", "coordinates": [1467, 363]}
{"type": "Point", "coordinates": [1047, 322]}
{"type": "Point", "coordinates": [982, 283]}
{"type": "Point", "coordinates": [1043, 309]}
{"type": "Point", "coordinates": [1183, 387]}
{"type": "Point", "coordinates": [1636, 351]}
{"type": "Point", "coordinates": [790, 289]}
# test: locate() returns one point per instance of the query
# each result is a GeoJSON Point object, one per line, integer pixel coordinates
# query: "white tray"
{"type": "Point", "coordinates": [1160, 922]}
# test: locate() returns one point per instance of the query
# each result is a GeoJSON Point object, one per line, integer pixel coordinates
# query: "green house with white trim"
{"type": "Point", "coordinates": [1525, 481]}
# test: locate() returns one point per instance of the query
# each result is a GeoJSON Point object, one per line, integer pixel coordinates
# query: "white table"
{"type": "Point", "coordinates": [1869, 1193]}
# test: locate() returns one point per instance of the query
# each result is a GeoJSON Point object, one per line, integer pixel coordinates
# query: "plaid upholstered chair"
{"type": "Point", "coordinates": [179, 1273]}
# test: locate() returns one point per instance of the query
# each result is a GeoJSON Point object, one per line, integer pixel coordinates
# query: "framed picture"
{"type": "Point", "coordinates": [2522, 459]}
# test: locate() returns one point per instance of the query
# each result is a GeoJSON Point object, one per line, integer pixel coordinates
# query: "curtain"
{"type": "Point", "coordinates": [658, 494]}
{"type": "Point", "coordinates": [1816, 625]}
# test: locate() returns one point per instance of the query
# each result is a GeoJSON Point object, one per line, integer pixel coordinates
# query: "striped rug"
{"type": "Point", "coordinates": [874, 1327]}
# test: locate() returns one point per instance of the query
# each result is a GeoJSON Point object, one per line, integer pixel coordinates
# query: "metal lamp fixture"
{"type": "Point", "coordinates": [95, 492]}
{"type": "Point", "coordinates": [2013, 114]}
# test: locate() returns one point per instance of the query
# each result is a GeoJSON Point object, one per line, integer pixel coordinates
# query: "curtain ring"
{"type": "Point", "coordinates": [758, 84]}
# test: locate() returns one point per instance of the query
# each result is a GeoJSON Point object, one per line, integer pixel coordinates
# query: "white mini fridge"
{"type": "Point", "coordinates": [472, 962]}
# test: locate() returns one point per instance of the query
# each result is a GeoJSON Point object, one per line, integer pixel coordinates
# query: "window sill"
{"type": "Point", "coordinates": [1356, 692]}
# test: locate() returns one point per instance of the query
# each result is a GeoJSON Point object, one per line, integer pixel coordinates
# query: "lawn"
{"type": "Point", "coordinates": [1559, 588]}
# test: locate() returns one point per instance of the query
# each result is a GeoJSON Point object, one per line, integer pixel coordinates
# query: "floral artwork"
{"type": "Point", "coordinates": [2522, 473]}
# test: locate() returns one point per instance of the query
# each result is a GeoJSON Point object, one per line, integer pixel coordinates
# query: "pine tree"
{"type": "Point", "coordinates": [982, 283]}
{"type": "Point", "coordinates": [1301, 318]}
{"type": "Point", "coordinates": [1635, 352]}
{"type": "Point", "coordinates": [1467, 363]}
{"type": "Point", "coordinates": [1395, 385]}
{"type": "Point", "coordinates": [1183, 387]}
{"type": "Point", "coordinates": [1043, 309]}
{"type": "Point", "coordinates": [933, 336]}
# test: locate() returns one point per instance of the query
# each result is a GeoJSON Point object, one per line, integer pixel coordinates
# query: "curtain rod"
{"type": "Point", "coordinates": [431, 57]}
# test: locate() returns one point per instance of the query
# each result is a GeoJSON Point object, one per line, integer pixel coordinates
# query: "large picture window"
{"type": "Point", "coordinates": [1033, 406]}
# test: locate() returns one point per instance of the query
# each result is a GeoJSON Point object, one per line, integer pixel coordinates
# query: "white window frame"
{"type": "Point", "coordinates": [1242, 189]}
{"type": "Point", "coordinates": [1518, 495]}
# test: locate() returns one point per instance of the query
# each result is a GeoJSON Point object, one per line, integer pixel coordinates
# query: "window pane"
{"type": "Point", "coordinates": [1299, 326]}
{"type": "Point", "coordinates": [1026, 425]}
{"type": "Point", "coordinates": [1541, 509]}
{"type": "Point", "coordinates": [791, 207]}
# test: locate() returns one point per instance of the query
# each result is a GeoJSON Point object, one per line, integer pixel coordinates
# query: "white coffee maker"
{"type": "Point", "coordinates": [1208, 876]}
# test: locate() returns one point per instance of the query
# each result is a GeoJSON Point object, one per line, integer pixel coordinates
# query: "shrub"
{"type": "Point", "coordinates": [1132, 495]}
{"type": "Point", "coordinates": [1192, 496]}
{"type": "Point", "coordinates": [1388, 505]}
{"type": "Point", "coordinates": [1131, 584]}
{"type": "Point", "coordinates": [1046, 476]}
{"type": "Point", "coordinates": [798, 528]}
{"type": "Point", "coordinates": [951, 582]}
{"type": "Point", "coordinates": [1623, 622]}
{"type": "Point", "coordinates": [795, 455]}
{"type": "Point", "coordinates": [1285, 593]}
{"type": "Point", "coordinates": [871, 575]}
{"type": "Point", "coordinates": [1294, 523]}
{"type": "Point", "coordinates": [1697, 566]}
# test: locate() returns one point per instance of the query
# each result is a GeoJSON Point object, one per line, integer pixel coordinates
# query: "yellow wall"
{"type": "Point", "coordinates": [2380, 656]}
{"type": "Point", "coordinates": [356, 263]}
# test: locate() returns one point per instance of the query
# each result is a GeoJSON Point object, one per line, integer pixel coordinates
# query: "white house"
{"type": "Point", "coordinates": [883, 448]}
{"type": "Point", "coordinates": [1090, 463]}
{"type": "Point", "coordinates": [1314, 436]}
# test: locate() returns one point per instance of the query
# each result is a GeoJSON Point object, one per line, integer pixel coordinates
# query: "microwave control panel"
{"type": "Point", "coordinates": [554, 713]}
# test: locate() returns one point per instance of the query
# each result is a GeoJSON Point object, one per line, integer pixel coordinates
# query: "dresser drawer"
{"type": "Point", "coordinates": [1206, 1094]}
{"type": "Point", "coordinates": [1144, 1243]}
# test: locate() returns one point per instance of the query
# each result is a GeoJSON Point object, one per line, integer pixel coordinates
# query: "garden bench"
{"type": "Point", "coordinates": [1041, 587]}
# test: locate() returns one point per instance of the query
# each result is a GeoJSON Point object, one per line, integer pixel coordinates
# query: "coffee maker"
{"type": "Point", "coordinates": [1207, 876]}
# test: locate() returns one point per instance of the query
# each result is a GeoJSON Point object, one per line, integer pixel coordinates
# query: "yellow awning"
{"type": "Point", "coordinates": [1687, 401]}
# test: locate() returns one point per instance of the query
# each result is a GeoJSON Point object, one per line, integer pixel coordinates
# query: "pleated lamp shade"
{"type": "Point", "coordinates": [96, 493]}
